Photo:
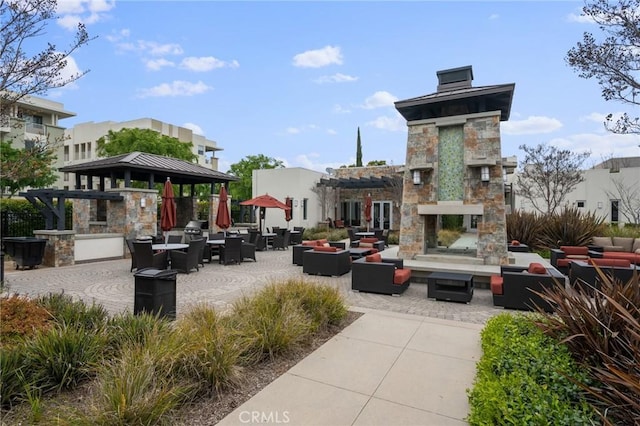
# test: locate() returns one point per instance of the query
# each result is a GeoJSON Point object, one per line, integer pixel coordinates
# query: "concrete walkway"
{"type": "Point", "coordinates": [407, 361]}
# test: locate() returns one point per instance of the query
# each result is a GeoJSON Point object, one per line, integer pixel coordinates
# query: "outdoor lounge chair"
{"type": "Point", "coordinates": [376, 274]}
{"type": "Point", "coordinates": [146, 258]}
{"type": "Point", "coordinates": [298, 249]}
{"type": "Point", "coordinates": [281, 240]}
{"type": "Point", "coordinates": [186, 261]}
{"type": "Point", "coordinates": [369, 242]}
{"type": "Point", "coordinates": [584, 276]}
{"type": "Point", "coordinates": [248, 251]}
{"type": "Point", "coordinates": [515, 286]}
{"type": "Point", "coordinates": [329, 261]}
{"type": "Point", "coordinates": [560, 258]}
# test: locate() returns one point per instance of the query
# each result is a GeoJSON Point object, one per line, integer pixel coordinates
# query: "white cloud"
{"type": "Point", "coordinates": [318, 58]}
{"type": "Point", "coordinates": [335, 78]}
{"type": "Point", "coordinates": [332, 132]}
{"type": "Point", "coordinates": [175, 88]}
{"type": "Point", "coordinates": [532, 125]}
{"type": "Point", "coordinates": [158, 64]}
{"type": "Point", "coordinates": [119, 35]}
{"type": "Point", "coordinates": [378, 100]}
{"type": "Point", "coordinates": [206, 63]}
{"type": "Point", "coordinates": [339, 109]}
{"type": "Point", "coordinates": [494, 16]}
{"type": "Point", "coordinates": [601, 145]}
{"type": "Point", "coordinates": [292, 130]}
{"type": "Point", "coordinates": [72, 12]}
{"type": "Point", "coordinates": [151, 48]}
{"type": "Point", "coordinates": [580, 18]}
{"type": "Point", "coordinates": [392, 124]}
{"type": "Point", "coordinates": [194, 128]}
{"type": "Point", "coordinates": [309, 161]}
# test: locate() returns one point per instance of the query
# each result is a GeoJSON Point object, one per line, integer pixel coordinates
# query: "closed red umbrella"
{"type": "Point", "coordinates": [223, 218]}
{"type": "Point", "coordinates": [367, 209]}
{"type": "Point", "coordinates": [168, 209]}
{"type": "Point", "coordinates": [287, 213]}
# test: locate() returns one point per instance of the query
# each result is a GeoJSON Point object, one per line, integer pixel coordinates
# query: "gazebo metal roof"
{"type": "Point", "coordinates": [145, 167]}
{"type": "Point", "coordinates": [361, 182]}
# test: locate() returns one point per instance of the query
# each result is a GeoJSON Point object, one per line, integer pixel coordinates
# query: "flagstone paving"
{"type": "Point", "coordinates": [110, 284]}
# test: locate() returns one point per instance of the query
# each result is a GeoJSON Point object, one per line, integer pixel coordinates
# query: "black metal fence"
{"type": "Point", "coordinates": [23, 223]}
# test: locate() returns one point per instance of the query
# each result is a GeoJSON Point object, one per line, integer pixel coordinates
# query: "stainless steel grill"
{"type": "Point", "coordinates": [193, 230]}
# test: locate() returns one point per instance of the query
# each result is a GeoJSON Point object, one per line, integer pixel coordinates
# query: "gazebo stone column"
{"type": "Point", "coordinates": [60, 247]}
{"type": "Point", "coordinates": [136, 215]}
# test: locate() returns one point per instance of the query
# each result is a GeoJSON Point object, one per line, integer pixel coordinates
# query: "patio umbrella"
{"type": "Point", "coordinates": [367, 209]}
{"type": "Point", "coordinates": [223, 218]}
{"type": "Point", "coordinates": [265, 201]}
{"type": "Point", "coordinates": [287, 213]}
{"type": "Point", "coordinates": [168, 210]}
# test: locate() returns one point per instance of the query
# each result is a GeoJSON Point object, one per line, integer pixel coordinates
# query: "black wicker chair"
{"type": "Point", "coordinates": [281, 240]}
{"type": "Point", "coordinates": [583, 275]}
{"type": "Point", "coordinates": [232, 252]}
{"type": "Point", "coordinates": [186, 261]}
{"type": "Point", "coordinates": [248, 251]}
{"type": "Point", "coordinates": [132, 251]}
{"type": "Point", "coordinates": [146, 258]}
{"type": "Point", "coordinates": [386, 276]}
{"type": "Point", "coordinates": [353, 240]}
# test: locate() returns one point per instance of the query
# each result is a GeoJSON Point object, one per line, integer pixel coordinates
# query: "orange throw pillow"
{"type": "Point", "coordinates": [325, 249]}
{"type": "Point", "coordinates": [374, 257]}
{"type": "Point", "coordinates": [537, 268]}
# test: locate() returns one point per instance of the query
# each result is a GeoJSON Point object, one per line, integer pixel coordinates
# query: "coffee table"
{"type": "Point", "coordinates": [450, 286]}
{"type": "Point", "coordinates": [358, 252]}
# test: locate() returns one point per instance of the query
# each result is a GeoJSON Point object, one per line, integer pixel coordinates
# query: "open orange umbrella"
{"type": "Point", "coordinates": [168, 210]}
{"type": "Point", "coordinates": [264, 202]}
{"type": "Point", "coordinates": [223, 218]}
{"type": "Point", "coordinates": [367, 209]}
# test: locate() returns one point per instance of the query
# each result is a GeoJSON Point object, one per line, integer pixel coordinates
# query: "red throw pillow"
{"type": "Point", "coordinates": [374, 257]}
{"type": "Point", "coordinates": [496, 282]}
{"type": "Point", "coordinates": [574, 250]}
{"type": "Point", "coordinates": [623, 263]}
{"type": "Point", "coordinates": [309, 243]}
{"type": "Point", "coordinates": [322, 242]}
{"type": "Point", "coordinates": [401, 276]}
{"type": "Point", "coordinates": [327, 249]}
{"type": "Point", "coordinates": [515, 243]}
{"type": "Point", "coordinates": [368, 240]}
{"type": "Point", "coordinates": [537, 268]}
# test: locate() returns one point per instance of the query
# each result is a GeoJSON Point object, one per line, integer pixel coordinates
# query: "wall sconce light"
{"type": "Point", "coordinates": [295, 203]}
{"type": "Point", "coordinates": [417, 179]}
{"type": "Point", "coordinates": [143, 202]}
{"type": "Point", "coordinates": [599, 204]}
{"type": "Point", "coordinates": [484, 173]}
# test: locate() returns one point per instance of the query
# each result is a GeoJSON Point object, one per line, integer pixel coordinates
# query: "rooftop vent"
{"type": "Point", "coordinates": [454, 78]}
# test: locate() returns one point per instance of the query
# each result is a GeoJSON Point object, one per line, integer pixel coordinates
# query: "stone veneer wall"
{"type": "Point", "coordinates": [481, 145]}
{"type": "Point", "coordinates": [377, 194]}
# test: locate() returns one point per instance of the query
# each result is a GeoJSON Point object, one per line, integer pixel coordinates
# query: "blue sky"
{"type": "Point", "coordinates": [294, 80]}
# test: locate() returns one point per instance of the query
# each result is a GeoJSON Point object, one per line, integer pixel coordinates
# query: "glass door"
{"type": "Point", "coordinates": [382, 214]}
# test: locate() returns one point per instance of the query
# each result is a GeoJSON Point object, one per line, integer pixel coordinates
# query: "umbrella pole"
{"type": "Point", "coordinates": [166, 237]}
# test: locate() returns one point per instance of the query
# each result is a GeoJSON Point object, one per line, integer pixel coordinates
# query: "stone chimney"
{"type": "Point", "coordinates": [455, 78]}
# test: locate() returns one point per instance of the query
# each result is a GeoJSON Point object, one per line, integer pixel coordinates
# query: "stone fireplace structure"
{"type": "Point", "coordinates": [454, 164]}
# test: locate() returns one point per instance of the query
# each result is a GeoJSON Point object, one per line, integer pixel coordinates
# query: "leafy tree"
{"type": "Point", "coordinates": [614, 60]}
{"type": "Point", "coordinates": [548, 175]}
{"type": "Point", "coordinates": [359, 151]}
{"type": "Point", "coordinates": [377, 163]}
{"type": "Point", "coordinates": [243, 169]}
{"type": "Point", "coordinates": [29, 167]}
{"type": "Point", "coordinates": [26, 69]}
{"type": "Point", "coordinates": [144, 140]}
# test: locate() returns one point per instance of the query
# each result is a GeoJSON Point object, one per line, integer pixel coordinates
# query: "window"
{"type": "Point", "coordinates": [66, 176]}
{"type": "Point", "coordinates": [200, 149]}
{"type": "Point", "coordinates": [614, 210]}
{"type": "Point", "coordinates": [305, 203]}
{"type": "Point", "coordinates": [580, 204]}
{"type": "Point", "coordinates": [66, 153]}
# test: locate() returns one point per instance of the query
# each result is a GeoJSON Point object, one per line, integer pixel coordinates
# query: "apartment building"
{"type": "Point", "coordinates": [80, 144]}
{"type": "Point", "coordinates": [34, 120]}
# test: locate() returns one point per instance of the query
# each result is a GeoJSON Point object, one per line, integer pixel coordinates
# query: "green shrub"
{"type": "Point", "coordinates": [127, 329]}
{"type": "Point", "coordinates": [210, 350]}
{"type": "Point", "coordinates": [524, 227]}
{"type": "Point", "coordinates": [447, 237]}
{"type": "Point", "coordinates": [393, 238]}
{"type": "Point", "coordinates": [13, 374]}
{"type": "Point", "coordinates": [73, 313]}
{"type": "Point", "coordinates": [628, 230]}
{"type": "Point", "coordinates": [332, 234]}
{"type": "Point", "coordinates": [525, 377]}
{"type": "Point", "coordinates": [63, 356]}
{"type": "Point", "coordinates": [267, 326]}
{"type": "Point", "coordinates": [570, 227]}
{"type": "Point", "coordinates": [602, 332]}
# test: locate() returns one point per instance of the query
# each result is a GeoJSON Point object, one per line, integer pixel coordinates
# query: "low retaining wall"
{"type": "Point", "coordinates": [91, 247]}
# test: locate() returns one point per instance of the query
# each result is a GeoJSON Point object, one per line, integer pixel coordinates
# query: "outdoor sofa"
{"type": "Point", "coordinates": [583, 275]}
{"type": "Point", "coordinates": [376, 274]}
{"type": "Point", "coordinates": [515, 286]}
{"type": "Point", "coordinates": [560, 258]}
{"type": "Point", "coordinates": [616, 248]}
{"type": "Point", "coordinates": [298, 249]}
{"type": "Point", "coordinates": [330, 261]}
